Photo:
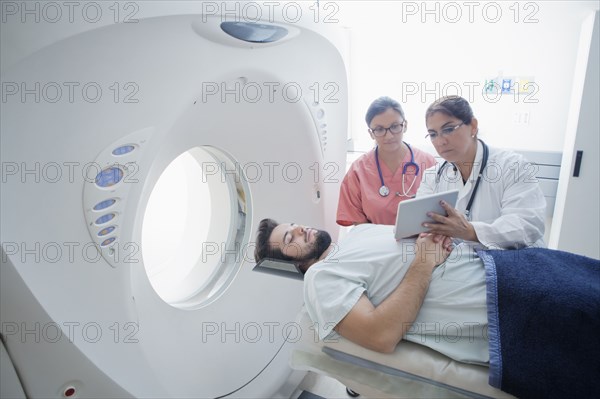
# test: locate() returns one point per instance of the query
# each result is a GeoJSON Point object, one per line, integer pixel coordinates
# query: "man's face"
{"type": "Point", "coordinates": [299, 242]}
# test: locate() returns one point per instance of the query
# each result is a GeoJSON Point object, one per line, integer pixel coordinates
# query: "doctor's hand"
{"type": "Point", "coordinates": [454, 225]}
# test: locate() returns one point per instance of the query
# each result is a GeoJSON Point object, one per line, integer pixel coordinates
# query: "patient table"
{"type": "Point", "coordinates": [412, 371]}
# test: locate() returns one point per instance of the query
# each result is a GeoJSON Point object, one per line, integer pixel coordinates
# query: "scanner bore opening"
{"type": "Point", "coordinates": [193, 228]}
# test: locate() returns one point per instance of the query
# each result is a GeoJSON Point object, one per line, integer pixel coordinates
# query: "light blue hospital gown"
{"type": "Point", "coordinates": [453, 318]}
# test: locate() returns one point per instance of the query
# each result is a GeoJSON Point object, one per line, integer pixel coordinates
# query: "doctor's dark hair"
{"type": "Point", "coordinates": [380, 105]}
{"type": "Point", "coordinates": [453, 106]}
{"type": "Point", "coordinates": [263, 250]}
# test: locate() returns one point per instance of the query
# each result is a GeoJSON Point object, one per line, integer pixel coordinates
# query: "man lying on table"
{"type": "Point", "coordinates": [375, 291]}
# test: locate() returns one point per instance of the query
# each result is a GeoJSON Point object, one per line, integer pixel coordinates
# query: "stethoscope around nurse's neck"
{"type": "Point", "coordinates": [484, 161]}
{"type": "Point", "coordinates": [384, 191]}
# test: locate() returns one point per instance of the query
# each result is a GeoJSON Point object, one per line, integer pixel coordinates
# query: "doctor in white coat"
{"type": "Point", "coordinates": [500, 203]}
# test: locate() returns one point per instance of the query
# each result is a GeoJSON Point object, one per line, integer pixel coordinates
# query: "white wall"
{"type": "Point", "coordinates": [577, 213]}
{"type": "Point", "coordinates": [399, 47]}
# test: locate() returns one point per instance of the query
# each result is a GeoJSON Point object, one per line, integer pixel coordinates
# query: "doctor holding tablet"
{"type": "Point", "coordinates": [500, 203]}
{"type": "Point", "coordinates": [391, 172]}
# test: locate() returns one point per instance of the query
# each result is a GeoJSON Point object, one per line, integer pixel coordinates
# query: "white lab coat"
{"type": "Point", "coordinates": [509, 207]}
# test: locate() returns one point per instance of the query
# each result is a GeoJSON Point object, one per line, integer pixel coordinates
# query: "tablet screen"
{"type": "Point", "coordinates": [412, 213]}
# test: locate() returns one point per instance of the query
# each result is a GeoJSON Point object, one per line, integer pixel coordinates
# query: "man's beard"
{"type": "Point", "coordinates": [322, 242]}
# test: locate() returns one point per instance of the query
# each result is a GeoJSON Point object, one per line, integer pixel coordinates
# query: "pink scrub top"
{"type": "Point", "coordinates": [360, 201]}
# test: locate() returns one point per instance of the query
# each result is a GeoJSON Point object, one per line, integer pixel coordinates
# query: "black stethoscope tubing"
{"type": "Point", "coordinates": [384, 191]}
{"type": "Point", "coordinates": [484, 161]}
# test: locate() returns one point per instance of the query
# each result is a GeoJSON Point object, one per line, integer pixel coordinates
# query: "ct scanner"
{"type": "Point", "coordinates": [89, 125]}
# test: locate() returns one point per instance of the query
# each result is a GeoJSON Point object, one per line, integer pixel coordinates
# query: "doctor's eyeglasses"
{"type": "Point", "coordinates": [379, 131]}
{"type": "Point", "coordinates": [447, 131]}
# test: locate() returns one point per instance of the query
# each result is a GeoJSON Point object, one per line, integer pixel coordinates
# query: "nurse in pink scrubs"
{"type": "Point", "coordinates": [391, 172]}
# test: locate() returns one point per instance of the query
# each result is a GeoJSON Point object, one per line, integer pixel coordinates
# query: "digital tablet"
{"type": "Point", "coordinates": [279, 268]}
{"type": "Point", "coordinates": [412, 213]}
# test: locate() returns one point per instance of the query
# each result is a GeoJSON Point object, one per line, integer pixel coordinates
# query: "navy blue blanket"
{"type": "Point", "coordinates": [544, 323]}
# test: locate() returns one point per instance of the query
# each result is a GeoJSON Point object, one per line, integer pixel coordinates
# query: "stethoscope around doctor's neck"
{"type": "Point", "coordinates": [484, 161]}
{"type": "Point", "coordinates": [384, 191]}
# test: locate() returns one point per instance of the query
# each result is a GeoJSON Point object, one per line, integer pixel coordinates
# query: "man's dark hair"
{"type": "Point", "coordinates": [263, 250]}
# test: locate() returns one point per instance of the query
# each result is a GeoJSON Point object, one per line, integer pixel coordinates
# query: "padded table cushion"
{"type": "Point", "coordinates": [411, 371]}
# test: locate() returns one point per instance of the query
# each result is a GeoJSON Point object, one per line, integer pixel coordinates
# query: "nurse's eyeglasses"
{"type": "Point", "coordinates": [447, 131]}
{"type": "Point", "coordinates": [379, 131]}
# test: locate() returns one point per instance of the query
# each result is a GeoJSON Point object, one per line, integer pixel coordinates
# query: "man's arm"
{"type": "Point", "coordinates": [381, 328]}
